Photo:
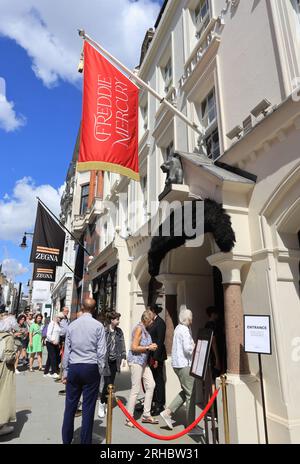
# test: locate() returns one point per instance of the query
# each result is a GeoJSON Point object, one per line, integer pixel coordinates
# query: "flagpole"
{"type": "Point", "coordinates": [63, 226]}
{"type": "Point", "coordinates": [71, 270]}
{"type": "Point", "coordinates": [161, 99]}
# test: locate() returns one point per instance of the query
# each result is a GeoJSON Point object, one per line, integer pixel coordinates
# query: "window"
{"type": "Point", "coordinates": [212, 145]}
{"type": "Point", "coordinates": [144, 113]}
{"type": "Point", "coordinates": [105, 291]}
{"type": "Point", "coordinates": [169, 150]}
{"type": "Point", "coordinates": [168, 75]}
{"type": "Point", "coordinates": [144, 195]}
{"type": "Point", "coordinates": [208, 114]}
{"type": "Point", "coordinates": [208, 110]}
{"type": "Point", "coordinates": [202, 14]}
{"type": "Point", "coordinates": [84, 198]}
{"type": "Point", "coordinates": [296, 6]}
{"type": "Point", "coordinates": [105, 238]}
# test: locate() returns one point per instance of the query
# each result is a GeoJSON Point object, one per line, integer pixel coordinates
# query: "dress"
{"type": "Point", "coordinates": [36, 331]}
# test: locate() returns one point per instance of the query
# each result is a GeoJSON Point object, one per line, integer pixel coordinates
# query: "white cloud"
{"type": "Point", "coordinates": [9, 121]}
{"type": "Point", "coordinates": [12, 268]}
{"type": "Point", "coordinates": [47, 30]}
{"type": "Point", "coordinates": [18, 210]}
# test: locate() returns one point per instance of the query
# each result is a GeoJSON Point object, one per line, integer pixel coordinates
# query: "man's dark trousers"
{"type": "Point", "coordinates": [51, 363]}
{"type": "Point", "coordinates": [159, 395]}
{"type": "Point", "coordinates": [82, 379]}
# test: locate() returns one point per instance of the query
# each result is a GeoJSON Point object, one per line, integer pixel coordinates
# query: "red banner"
{"type": "Point", "coordinates": [109, 128]}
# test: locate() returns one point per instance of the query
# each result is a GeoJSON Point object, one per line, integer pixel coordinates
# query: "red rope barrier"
{"type": "Point", "coordinates": [169, 437]}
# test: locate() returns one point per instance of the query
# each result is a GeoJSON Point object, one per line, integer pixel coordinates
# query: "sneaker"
{"type": "Point", "coordinates": [167, 418]}
{"type": "Point", "coordinates": [197, 431]}
{"type": "Point", "coordinates": [47, 375]}
{"type": "Point", "coordinates": [101, 410]}
{"type": "Point", "coordinates": [54, 376]}
{"type": "Point", "coordinates": [17, 371]}
{"type": "Point", "coordinates": [6, 429]}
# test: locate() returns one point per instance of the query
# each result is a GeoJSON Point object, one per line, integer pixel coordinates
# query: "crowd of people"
{"type": "Point", "coordinates": [82, 352]}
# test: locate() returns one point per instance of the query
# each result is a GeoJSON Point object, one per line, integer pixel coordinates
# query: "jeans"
{"type": "Point", "coordinates": [109, 380]}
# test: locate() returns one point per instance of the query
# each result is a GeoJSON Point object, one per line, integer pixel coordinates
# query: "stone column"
{"type": "Point", "coordinates": [230, 267]}
{"type": "Point", "coordinates": [245, 415]}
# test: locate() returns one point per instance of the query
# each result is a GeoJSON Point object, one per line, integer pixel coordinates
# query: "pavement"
{"type": "Point", "coordinates": [40, 412]}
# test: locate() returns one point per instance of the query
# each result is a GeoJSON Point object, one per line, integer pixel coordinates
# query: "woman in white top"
{"type": "Point", "coordinates": [52, 344]}
{"type": "Point", "coordinates": [182, 351]}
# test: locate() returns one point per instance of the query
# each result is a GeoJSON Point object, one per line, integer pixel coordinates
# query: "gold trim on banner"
{"type": "Point", "coordinates": [112, 167]}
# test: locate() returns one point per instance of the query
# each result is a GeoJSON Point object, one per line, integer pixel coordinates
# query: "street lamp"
{"type": "Point", "coordinates": [23, 244]}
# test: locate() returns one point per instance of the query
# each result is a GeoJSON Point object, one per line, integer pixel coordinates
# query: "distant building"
{"type": "Point", "coordinates": [63, 286]}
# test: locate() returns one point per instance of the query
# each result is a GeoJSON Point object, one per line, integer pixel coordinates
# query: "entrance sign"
{"type": "Point", "coordinates": [257, 335]}
{"type": "Point", "coordinates": [201, 354]}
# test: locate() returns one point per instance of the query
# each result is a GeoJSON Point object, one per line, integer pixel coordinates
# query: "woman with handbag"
{"type": "Point", "coordinates": [21, 337]}
{"type": "Point", "coordinates": [138, 361]}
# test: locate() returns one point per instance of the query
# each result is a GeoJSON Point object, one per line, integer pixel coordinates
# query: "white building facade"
{"type": "Point", "coordinates": [232, 67]}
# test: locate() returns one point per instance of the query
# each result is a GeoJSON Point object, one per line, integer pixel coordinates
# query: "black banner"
{"type": "Point", "coordinates": [44, 272]}
{"type": "Point", "coordinates": [79, 263]}
{"type": "Point", "coordinates": [48, 240]}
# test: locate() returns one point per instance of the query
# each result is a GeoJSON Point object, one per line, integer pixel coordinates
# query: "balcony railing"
{"type": "Point", "coordinates": [208, 34]}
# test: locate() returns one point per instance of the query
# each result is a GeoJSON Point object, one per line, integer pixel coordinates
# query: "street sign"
{"type": "Point", "coordinates": [257, 339]}
{"type": "Point", "coordinates": [201, 353]}
{"type": "Point", "coordinates": [257, 334]}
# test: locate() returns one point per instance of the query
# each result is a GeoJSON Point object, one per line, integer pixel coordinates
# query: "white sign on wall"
{"type": "Point", "coordinates": [257, 335]}
{"type": "Point", "coordinates": [41, 292]}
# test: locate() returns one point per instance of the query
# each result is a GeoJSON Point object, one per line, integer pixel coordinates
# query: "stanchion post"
{"type": "Point", "coordinates": [225, 409]}
{"type": "Point", "coordinates": [110, 390]}
{"type": "Point", "coordinates": [263, 398]}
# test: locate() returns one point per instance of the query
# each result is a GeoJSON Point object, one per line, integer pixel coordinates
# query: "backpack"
{"type": "Point", "coordinates": [2, 348]}
{"type": "Point", "coordinates": [44, 331]}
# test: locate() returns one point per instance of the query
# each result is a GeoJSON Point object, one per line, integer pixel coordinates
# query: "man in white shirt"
{"type": "Point", "coordinates": [52, 344]}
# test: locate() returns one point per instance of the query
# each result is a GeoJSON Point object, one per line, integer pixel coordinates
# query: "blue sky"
{"type": "Point", "coordinates": [42, 148]}
{"type": "Point", "coordinates": [40, 100]}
